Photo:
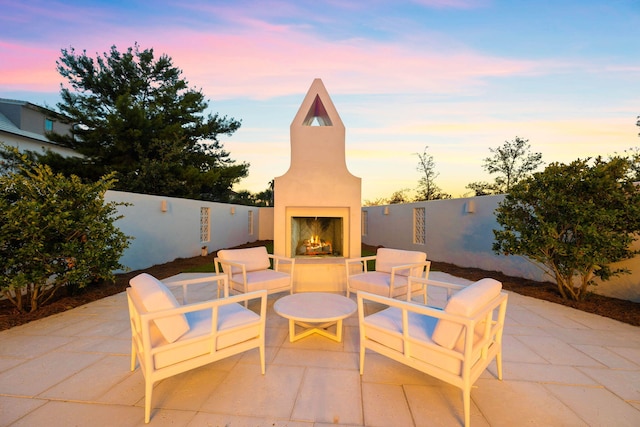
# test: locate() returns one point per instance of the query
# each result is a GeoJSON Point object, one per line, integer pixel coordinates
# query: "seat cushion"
{"type": "Point", "coordinates": [387, 258]}
{"type": "Point", "coordinates": [264, 279]}
{"type": "Point", "coordinates": [465, 303]}
{"type": "Point", "coordinates": [155, 296]}
{"type": "Point", "coordinates": [385, 327]}
{"type": "Point", "coordinates": [254, 259]}
{"type": "Point", "coordinates": [378, 283]}
{"type": "Point", "coordinates": [236, 324]}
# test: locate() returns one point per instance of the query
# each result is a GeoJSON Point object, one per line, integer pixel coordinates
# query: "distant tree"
{"type": "Point", "coordinates": [513, 161]}
{"type": "Point", "coordinates": [135, 115]}
{"type": "Point", "coordinates": [427, 188]}
{"type": "Point", "coordinates": [483, 188]}
{"type": "Point", "coordinates": [54, 232]}
{"type": "Point", "coordinates": [265, 198]}
{"type": "Point", "coordinates": [573, 221]}
{"type": "Point", "coordinates": [376, 202]}
{"type": "Point", "coordinates": [400, 196]}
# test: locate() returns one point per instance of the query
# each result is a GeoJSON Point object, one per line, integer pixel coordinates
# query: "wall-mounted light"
{"type": "Point", "coordinates": [233, 210]}
{"type": "Point", "coordinates": [386, 210]}
{"type": "Point", "coordinates": [470, 207]}
{"type": "Point", "coordinates": [163, 205]}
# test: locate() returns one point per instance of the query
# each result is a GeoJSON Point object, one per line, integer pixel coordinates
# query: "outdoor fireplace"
{"type": "Point", "coordinates": [316, 236]}
{"type": "Point", "coordinates": [317, 201]}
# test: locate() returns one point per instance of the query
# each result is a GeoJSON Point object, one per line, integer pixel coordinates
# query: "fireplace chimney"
{"type": "Point", "coordinates": [318, 183]}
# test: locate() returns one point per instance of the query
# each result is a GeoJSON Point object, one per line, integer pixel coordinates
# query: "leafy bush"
{"type": "Point", "coordinates": [55, 231]}
{"type": "Point", "coordinates": [572, 220]}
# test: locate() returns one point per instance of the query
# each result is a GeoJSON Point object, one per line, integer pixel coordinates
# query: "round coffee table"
{"type": "Point", "coordinates": [315, 311]}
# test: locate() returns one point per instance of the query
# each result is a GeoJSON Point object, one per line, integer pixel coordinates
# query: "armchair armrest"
{"type": "Point", "coordinates": [491, 327]}
{"type": "Point", "coordinates": [398, 268]}
{"type": "Point", "coordinates": [277, 259]}
{"type": "Point", "coordinates": [362, 260]}
{"type": "Point", "coordinates": [185, 280]}
{"type": "Point", "coordinates": [227, 268]}
{"type": "Point", "coordinates": [424, 266]}
{"type": "Point", "coordinates": [146, 319]}
{"type": "Point", "coordinates": [450, 288]}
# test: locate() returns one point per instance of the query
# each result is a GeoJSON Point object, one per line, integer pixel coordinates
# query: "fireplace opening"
{"type": "Point", "coordinates": [316, 236]}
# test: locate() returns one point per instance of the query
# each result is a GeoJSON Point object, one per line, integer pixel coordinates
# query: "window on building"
{"type": "Point", "coordinates": [205, 224]}
{"type": "Point", "coordinates": [364, 226]}
{"type": "Point", "coordinates": [48, 125]}
{"type": "Point", "coordinates": [419, 226]}
{"type": "Point", "coordinates": [250, 222]}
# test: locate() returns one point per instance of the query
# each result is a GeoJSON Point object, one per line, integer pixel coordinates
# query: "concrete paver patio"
{"type": "Point", "coordinates": [561, 367]}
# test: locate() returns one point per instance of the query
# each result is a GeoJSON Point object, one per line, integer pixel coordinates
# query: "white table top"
{"type": "Point", "coordinates": [315, 307]}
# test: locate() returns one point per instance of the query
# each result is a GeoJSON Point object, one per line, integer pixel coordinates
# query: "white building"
{"type": "Point", "coordinates": [24, 125]}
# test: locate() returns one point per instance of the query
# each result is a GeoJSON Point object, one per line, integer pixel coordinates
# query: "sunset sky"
{"type": "Point", "coordinates": [458, 76]}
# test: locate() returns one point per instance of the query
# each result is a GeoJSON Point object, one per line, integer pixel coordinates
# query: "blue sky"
{"type": "Point", "coordinates": [458, 76]}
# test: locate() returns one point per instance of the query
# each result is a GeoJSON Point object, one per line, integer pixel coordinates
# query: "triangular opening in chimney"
{"type": "Point", "coordinates": [317, 115]}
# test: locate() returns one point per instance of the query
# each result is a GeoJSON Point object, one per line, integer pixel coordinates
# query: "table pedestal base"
{"type": "Point", "coordinates": [315, 328]}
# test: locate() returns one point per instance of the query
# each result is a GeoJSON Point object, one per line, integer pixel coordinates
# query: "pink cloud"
{"type": "Point", "coordinates": [454, 4]}
{"type": "Point", "coordinates": [263, 64]}
{"type": "Point", "coordinates": [26, 66]}
{"type": "Point", "coordinates": [249, 57]}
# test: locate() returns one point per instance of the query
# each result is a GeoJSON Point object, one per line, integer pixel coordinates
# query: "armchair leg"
{"type": "Point", "coordinates": [362, 350]}
{"type": "Point", "coordinates": [466, 400]}
{"type": "Point", "coordinates": [499, 364]}
{"type": "Point", "coordinates": [148, 389]}
{"type": "Point", "coordinates": [133, 356]}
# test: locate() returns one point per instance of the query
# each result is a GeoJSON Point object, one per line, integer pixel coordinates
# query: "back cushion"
{"type": "Point", "coordinates": [387, 258]}
{"type": "Point", "coordinates": [464, 303]}
{"type": "Point", "coordinates": [253, 258]}
{"type": "Point", "coordinates": [155, 296]}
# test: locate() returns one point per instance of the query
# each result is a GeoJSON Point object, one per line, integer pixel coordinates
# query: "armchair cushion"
{"type": "Point", "coordinates": [464, 303]}
{"type": "Point", "coordinates": [155, 296]}
{"type": "Point", "coordinates": [263, 279]}
{"type": "Point", "coordinates": [229, 316]}
{"type": "Point", "coordinates": [385, 327]}
{"type": "Point", "coordinates": [387, 258]}
{"type": "Point", "coordinates": [253, 258]}
{"type": "Point", "coordinates": [377, 282]}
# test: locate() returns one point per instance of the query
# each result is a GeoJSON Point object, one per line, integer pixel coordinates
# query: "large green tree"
{"type": "Point", "coordinates": [573, 221]}
{"type": "Point", "coordinates": [512, 161]}
{"type": "Point", "coordinates": [135, 115]}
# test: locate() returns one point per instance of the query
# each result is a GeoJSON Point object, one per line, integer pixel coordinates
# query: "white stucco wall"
{"type": "Point", "coordinates": [164, 236]}
{"type": "Point", "coordinates": [265, 224]}
{"type": "Point", "coordinates": [452, 234]}
{"type": "Point", "coordinates": [455, 236]}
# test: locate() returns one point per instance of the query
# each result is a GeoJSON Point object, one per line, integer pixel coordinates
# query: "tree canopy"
{"type": "Point", "coordinates": [427, 187]}
{"type": "Point", "coordinates": [573, 220]}
{"type": "Point", "coordinates": [512, 161]}
{"type": "Point", "coordinates": [135, 115]}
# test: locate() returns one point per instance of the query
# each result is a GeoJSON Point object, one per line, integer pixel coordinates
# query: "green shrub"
{"type": "Point", "coordinates": [55, 231]}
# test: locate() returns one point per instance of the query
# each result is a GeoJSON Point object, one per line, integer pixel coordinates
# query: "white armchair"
{"type": "Point", "coordinates": [454, 345]}
{"type": "Point", "coordinates": [248, 270]}
{"type": "Point", "coordinates": [168, 339]}
{"type": "Point", "coordinates": [391, 274]}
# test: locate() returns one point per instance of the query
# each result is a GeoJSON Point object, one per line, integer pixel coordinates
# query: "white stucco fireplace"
{"type": "Point", "coordinates": [317, 201]}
